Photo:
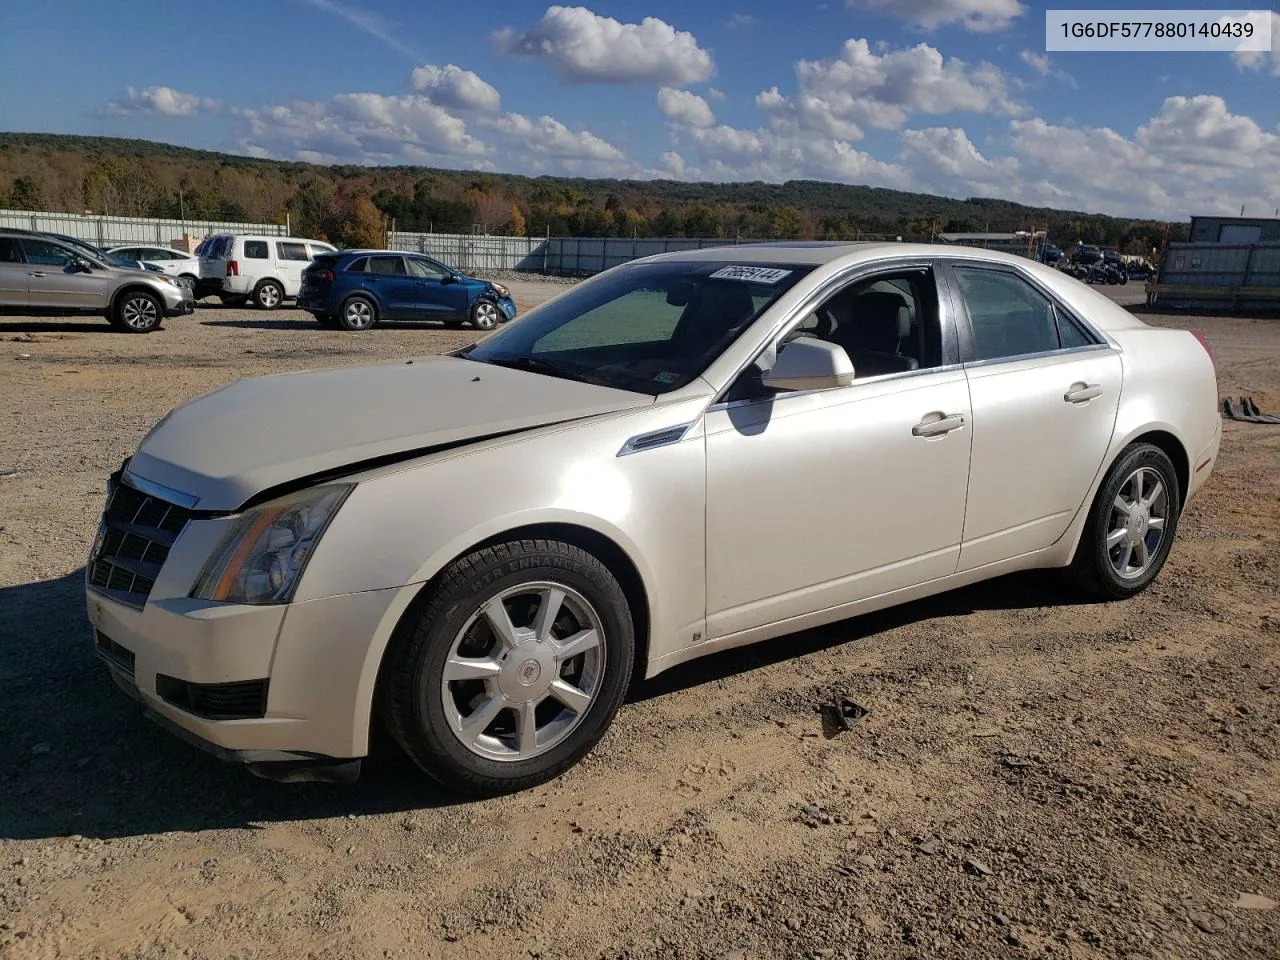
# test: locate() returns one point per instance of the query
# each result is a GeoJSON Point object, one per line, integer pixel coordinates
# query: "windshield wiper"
{"type": "Point", "coordinates": [552, 368]}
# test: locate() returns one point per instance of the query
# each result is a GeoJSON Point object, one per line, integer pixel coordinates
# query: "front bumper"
{"type": "Point", "coordinates": [182, 308]}
{"type": "Point", "coordinates": [508, 308]}
{"type": "Point", "coordinates": [314, 662]}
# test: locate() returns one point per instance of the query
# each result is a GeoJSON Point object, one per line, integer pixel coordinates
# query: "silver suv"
{"type": "Point", "coordinates": [40, 274]}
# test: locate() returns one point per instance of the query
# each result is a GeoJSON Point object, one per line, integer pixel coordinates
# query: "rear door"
{"type": "Point", "coordinates": [55, 282]}
{"type": "Point", "coordinates": [1044, 388]}
{"type": "Point", "coordinates": [13, 274]}
{"type": "Point", "coordinates": [437, 296]}
{"type": "Point", "coordinates": [388, 280]}
{"type": "Point", "coordinates": [292, 256]}
{"type": "Point", "coordinates": [214, 257]}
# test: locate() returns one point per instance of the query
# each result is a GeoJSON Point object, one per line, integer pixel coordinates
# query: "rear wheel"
{"type": "Point", "coordinates": [1131, 525]}
{"type": "Point", "coordinates": [138, 312]}
{"type": "Point", "coordinates": [357, 313]}
{"type": "Point", "coordinates": [268, 294]}
{"type": "Point", "coordinates": [484, 315]}
{"type": "Point", "coordinates": [509, 669]}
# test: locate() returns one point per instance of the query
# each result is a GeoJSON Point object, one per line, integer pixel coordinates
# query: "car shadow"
{"type": "Point", "coordinates": [1015, 591]}
{"type": "Point", "coordinates": [266, 322]}
{"type": "Point", "coordinates": [78, 757]}
{"type": "Point", "coordinates": [96, 325]}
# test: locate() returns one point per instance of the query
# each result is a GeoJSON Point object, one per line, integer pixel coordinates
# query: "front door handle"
{"type": "Point", "coordinates": [34, 274]}
{"type": "Point", "coordinates": [1083, 392]}
{"type": "Point", "coordinates": [937, 424]}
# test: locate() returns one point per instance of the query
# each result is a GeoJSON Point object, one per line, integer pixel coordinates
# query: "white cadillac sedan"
{"type": "Point", "coordinates": [684, 454]}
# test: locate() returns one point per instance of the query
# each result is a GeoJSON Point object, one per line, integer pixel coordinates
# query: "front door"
{"type": "Point", "coordinates": [1045, 392]}
{"type": "Point", "coordinates": [55, 282]}
{"type": "Point", "coordinates": [817, 499]}
{"type": "Point", "coordinates": [13, 274]}
{"type": "Point", "coordinates": [437, 295]}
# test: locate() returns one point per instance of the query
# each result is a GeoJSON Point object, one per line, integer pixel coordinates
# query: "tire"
{"type": "Point", "coordinates": [357, 313]}
{"type": "Point", "coordinates": [137, 311]}
{"type": "Point", "coordinates": [268, 295]}
{"type": "Point", "coordinates": [1120, 571]}
{"type": "Point", "coordinates": [485, 316]}
{"type": "Point", "coordinates": [534, 677]}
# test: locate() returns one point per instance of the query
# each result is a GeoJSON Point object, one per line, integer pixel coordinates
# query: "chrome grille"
{"type": "Point", "coordinates": [133, 543]}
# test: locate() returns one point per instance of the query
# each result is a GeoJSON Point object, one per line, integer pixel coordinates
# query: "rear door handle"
{"type": "Point", "coordinates": [34, 274]}
{"type": "Point", "coordinates": [937, 424]}
{"type": "Point", "coordinates": [1082, 392]}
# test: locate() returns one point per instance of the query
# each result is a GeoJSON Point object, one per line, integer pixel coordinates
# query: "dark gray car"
{"type": "Point", "coordinates": [42, 275]}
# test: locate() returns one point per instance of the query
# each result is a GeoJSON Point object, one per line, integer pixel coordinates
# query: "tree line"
{"type": "Point", "coordinates": [355, 205]}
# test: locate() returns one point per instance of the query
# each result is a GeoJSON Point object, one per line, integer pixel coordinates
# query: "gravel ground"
{"type": "Point", "coordinates": [1037, 777]}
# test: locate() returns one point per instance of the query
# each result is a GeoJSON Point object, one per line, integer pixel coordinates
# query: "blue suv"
{"type": "Point", "coordinates": [355, 289]}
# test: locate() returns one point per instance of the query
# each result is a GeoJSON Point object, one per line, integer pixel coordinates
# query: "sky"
{"type": "Point", "coordinates": [954, 97]}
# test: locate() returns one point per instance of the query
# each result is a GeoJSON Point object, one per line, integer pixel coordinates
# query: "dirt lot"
{"type": "Point", "coordinates": [1037, 777]}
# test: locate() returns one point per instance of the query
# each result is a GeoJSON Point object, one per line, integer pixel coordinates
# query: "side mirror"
{"type": "Point", "coordinates": [810, 364]}
{"type": "Point", "coordinates": [450, 278]}
{"type": "Point", "coordinates": [81, 265]}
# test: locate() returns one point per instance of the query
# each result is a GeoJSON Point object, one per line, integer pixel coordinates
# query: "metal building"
{"type": "Point", "coordinates": [1235, 230]}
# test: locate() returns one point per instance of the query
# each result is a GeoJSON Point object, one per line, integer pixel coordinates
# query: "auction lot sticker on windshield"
{"type": "Point", "coordinates": [750, 274]}
{"type": "Point", "coordinates": [1165, 31]}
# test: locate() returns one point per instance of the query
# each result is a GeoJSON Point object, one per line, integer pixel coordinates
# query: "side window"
{"type": "Point", "coordinates": [10, 252]}
{"type": "Point", "coordinates": [318, 249]}
{"type": "Point", "coordinates": [1069, 335]}
{"type": "Point", "coordinates": [292, 251]}
{"type": "Point", "coordinates": [387, 266]}
{"type": "Point", "coordinates": [1008, 316]}
{"type": "Point", "coordinates": [47, 254]}
{"type": "Point", "coordinates": [886, 324]}
{"type": "Point", "coordinates": [255, 250]}
{"type": "Point", "coordinates": [425, 269]}
{"type": "Point", "coordinates": [359, 265]}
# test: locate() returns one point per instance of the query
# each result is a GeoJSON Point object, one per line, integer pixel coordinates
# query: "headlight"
{"type": "Point", "coordinates": [500, 290]}
{"type": "Point", "coordinates": [169, 280]}
{"type": "Point", "coordinates": [263, 555]}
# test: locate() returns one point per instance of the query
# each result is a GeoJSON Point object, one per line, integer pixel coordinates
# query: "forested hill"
{"type": "Point", "coordinates": [347, 203]}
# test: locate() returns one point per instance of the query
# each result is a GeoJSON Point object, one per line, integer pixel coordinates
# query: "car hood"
{"type": "Point", "coordinates": [224, 448]}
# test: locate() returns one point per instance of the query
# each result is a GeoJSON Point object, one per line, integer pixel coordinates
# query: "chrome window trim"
{"type": "Point", "coordinates": [1015, 269]}
{"type": "Point", "coordinates": [824, 290]}
{"type": "Point", "coordinates": [159, 491]}
{"type": "Point", "coordinates": [788, 394]}
{"type": "Point", "coordinates": [1042, 355]}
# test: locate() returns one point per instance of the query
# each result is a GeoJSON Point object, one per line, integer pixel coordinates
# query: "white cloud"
{"type": "Point", "coordinates": [547, 138]}
{"type": "Point", "coordinates": [1039, 62]}
{"type": "Point", "coordinates": [741, 20]}
{"type": "Point", "coordinates": [715, 94]}
{"type": "Point", "coordinates": [583, 47]}
{"type": "Point", "coordinates": [979, 16]}
{"type": "Point", "coordinates": [161, 101]}
{"type": "Point", "coordinates": [731, 153]}
{"type": "Point", "coordinates": [682, 106]}
{"type": "Point", "coordinates": [1257, 59]}
{"type": "Point", "coordinates": [451, 86]}
{"type": "Point", "coordinates": [838, 96]}
{"type": "Point", "coordinates": [360, 128]}
{"type": "Point", "coordinates": [375, 25]}
{"type": "Point", "coordinates": [953, 164]}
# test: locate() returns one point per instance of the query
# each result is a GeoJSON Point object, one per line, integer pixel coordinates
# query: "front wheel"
{"type": "Point", "coordinates": [509, 669]}
{"type": "Point", "coordinates": [1131, 525]}
{"type": "Point", "coordinates": [138, 312]}
{"type": "Point", "coordinates": [484, 315]}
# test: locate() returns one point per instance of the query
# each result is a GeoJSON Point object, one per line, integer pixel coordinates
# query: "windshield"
{"type": "Point", "coordinates": [648, 328]}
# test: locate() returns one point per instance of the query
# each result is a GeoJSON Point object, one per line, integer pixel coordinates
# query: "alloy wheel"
{"type": "Point", "coordinates": [1136, 530]}
{"type": "Point", "coordinates": [523, 671]}
{"type": "Point", "coordinates": [485, 316]}
{"type": "Point", "coordinates": [139, 313]}
{"type": "Point", "coordinates": [359, 315]}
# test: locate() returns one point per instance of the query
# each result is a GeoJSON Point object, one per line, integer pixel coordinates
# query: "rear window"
{"type": "Point", "coordinates": [392, 266]}
{"type": "Point", "coordinates": [255, 250]}
{"type": "Point", "coordinates": [292, 251]}
{"type": "Point", "coordinates": [358, 265]}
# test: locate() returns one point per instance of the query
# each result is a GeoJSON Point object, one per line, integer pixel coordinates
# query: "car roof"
{"type": "Point", "coordinates": [815, 253]}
